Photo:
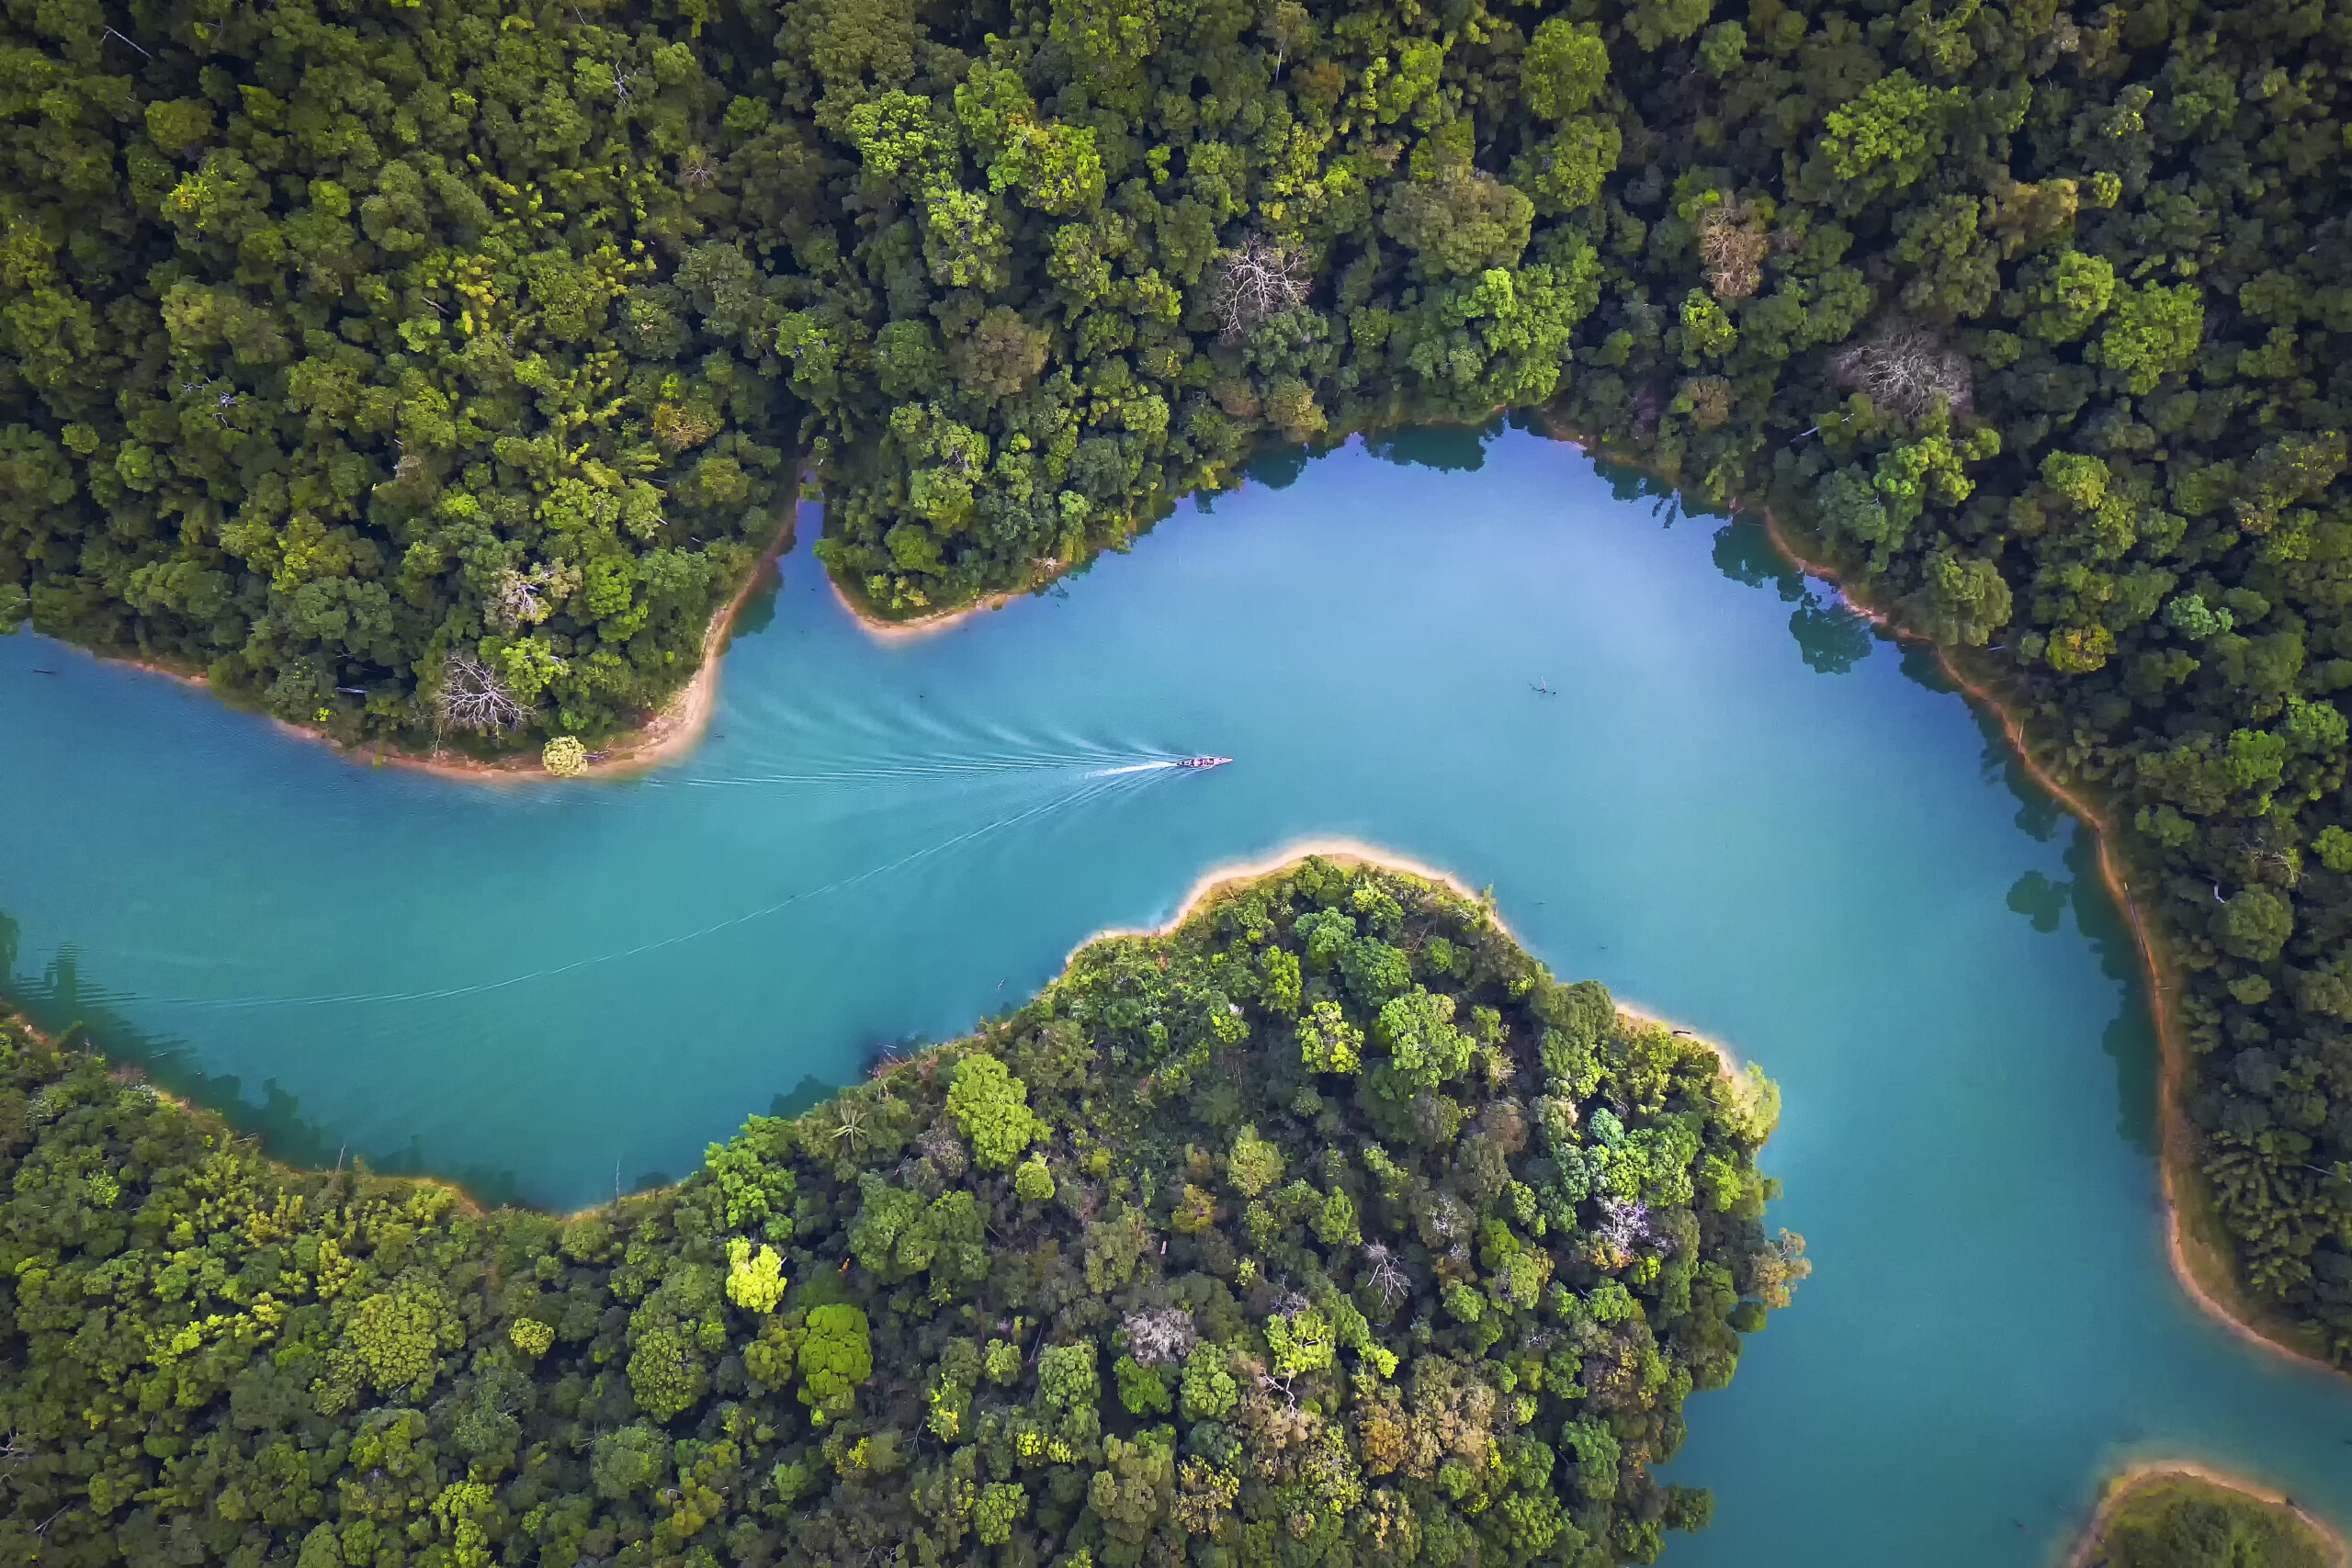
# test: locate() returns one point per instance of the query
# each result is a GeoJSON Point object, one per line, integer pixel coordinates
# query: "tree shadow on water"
{"type": "Point", "coordinates": [806, 1095]}
{"type": "Point", "coordinates": [1745, 553]}
{"type": "Point", "coordinates": [61, 1001]}
{"type": "Point", "coordinates": [1279, 468]}
{"type": "Point", "coordinates": [1448, 448]}
{"type": "Point", "coordinates": [2130, 1039]}
{"type": "Point", "coordinates": [1831, 638]}
{"type": "Point", "coordinates": [2041, 901]}
{"type": "Point", "coordinates": [2040, 815]}
{"type": "Point", "coordinates": [759, 607]}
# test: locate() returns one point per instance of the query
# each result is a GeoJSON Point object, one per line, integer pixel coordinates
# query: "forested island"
{"type": "Point", "coordinates": [1325, 1226]}
{"type": "Point", "coordinates": [2169, 1516]}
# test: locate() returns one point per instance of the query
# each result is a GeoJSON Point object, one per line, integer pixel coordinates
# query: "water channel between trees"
{"type": "Point", "coordinates": [1684, 771]}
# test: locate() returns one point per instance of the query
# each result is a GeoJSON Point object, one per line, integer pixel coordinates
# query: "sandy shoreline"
{"type": "Point", "coordinates": [672, 732]}
{"type": "Point", "coordinates": [1349, 853]}
{"type": "Point", "coordinates": [1352, 853]}
{"type": "Point", "coordinates": [921, 627]}
{"type": "Point", "coordinates": [1732, 1066]}
{"type": "Point", "coordinates": [2138, 1477]}
{"type": "Point", "coordinates": [2205, 1276]}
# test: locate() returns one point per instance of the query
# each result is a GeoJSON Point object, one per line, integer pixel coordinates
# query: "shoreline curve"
{"type": "Point", "coordinates": [2218, 1297]}
{"type": "Point", "coordinates": [922, 626]}
{"type": "Point", "coordinates": [673, 729]}
{"type": "Point", "coordinates": [2118, 1489]}
{"type": "Point", "coordinates": [1343, 851]}
{"type": "Point", "coordinates": [1352, 852]}
{"type": "Point", "coordinates": [2205, 1278]}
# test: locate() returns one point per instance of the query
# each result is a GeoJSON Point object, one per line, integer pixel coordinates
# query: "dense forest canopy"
{"type": "Point", "coordinates": [430, 370]}
{"type": "Point", "coordinates": [382, 365]}
{"type": "Point", "coordinates": [1326, 1228]}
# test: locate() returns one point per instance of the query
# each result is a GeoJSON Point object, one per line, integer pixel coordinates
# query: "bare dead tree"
{"type": "Point", "coordinates": [474, 697]}
{"type": "Point", "coordinates": [1257, 281]}
{"type": "Point", "coordinates": [1733, 245]}
{"type": "Point", "coordinates": [1158, 1337]}
{"type": "Point", "coordinates": [1626, 1226]}
{"type": "Point", "coordinates": [1908, 371]}
{"type": "Point", "coordinates": [695, 171]}
{"type": "Point", "coordinates": [1443, 1220]}
{"type": "Point", "coordinates": [1386, 1275]}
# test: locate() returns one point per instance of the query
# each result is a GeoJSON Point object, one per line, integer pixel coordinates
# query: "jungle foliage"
{"type": "Point", "coordinates": [1326, 1228]}
{"type": "Point", "coordinates": [382, 366]}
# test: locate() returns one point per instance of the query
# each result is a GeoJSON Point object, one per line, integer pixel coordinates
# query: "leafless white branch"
{"type": "Point", "coordinates": [1905, 370]}
{"type": "Point", "coordinates": [474, 697]}
{"type": "Point", "coordinates": [1258, 280]}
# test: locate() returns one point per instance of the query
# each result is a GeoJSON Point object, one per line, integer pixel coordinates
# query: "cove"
{"type": "Point", "coordinates": [1797, 844]}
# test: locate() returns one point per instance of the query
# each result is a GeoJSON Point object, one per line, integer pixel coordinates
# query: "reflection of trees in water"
{"type": "Point", "coordinates": [1831, 639]}
{"type": "Point", "coordinates": [2041, 901]}
{"type": "Point", "coordinates": [65, 1004]}
{"type": "Point", "coordinates": [2130, 1039]}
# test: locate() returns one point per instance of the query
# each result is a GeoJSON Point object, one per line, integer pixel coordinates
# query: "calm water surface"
{"type": "Point", "coordinates": [1793, 842]}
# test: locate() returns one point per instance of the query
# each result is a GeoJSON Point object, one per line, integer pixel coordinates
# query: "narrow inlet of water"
{"type": "Point", "coordinates": [1683, 770]}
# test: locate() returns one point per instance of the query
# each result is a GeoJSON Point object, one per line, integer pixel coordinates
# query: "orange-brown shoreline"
{"type": "Point", "coordinates": [2138, 1477]}
{"type": "Point", "coordinates": [921, 627]}
{"type": "Point", "coordinates": [670, 733]}
{"type": "Point", "coordinates": [2204, 1275]}
{"type": "Point", "coordinates": [2211, 1286]}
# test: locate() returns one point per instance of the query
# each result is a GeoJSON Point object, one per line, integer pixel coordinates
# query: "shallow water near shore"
{"type": "Point", "coordinates": [1682, 770]}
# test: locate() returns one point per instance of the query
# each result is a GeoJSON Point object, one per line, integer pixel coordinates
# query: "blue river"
{"type": "Point", "coordinates": [1682, 769]}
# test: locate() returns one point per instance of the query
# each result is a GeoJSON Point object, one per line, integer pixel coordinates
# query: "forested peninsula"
{"type": "Point", "coordinates": [1325, 1226]}
{"type": "Point", "coordinates": [2180, 1517]}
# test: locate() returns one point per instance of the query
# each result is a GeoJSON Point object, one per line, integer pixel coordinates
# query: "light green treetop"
{"type": "Point", "coordinates": [991, 1108]}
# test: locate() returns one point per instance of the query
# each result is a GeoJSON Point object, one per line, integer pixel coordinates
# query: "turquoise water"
{"type": "Point", "coordinates": [1793, 842]}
